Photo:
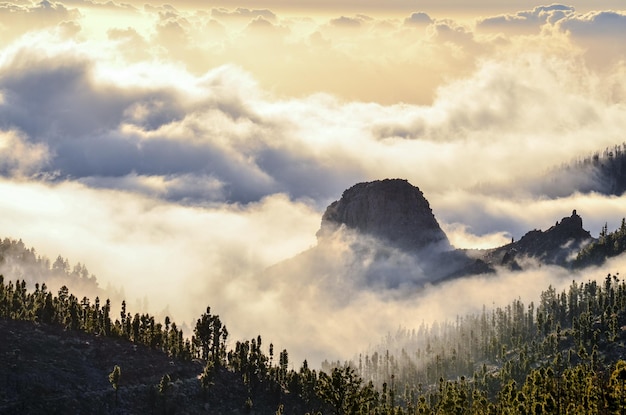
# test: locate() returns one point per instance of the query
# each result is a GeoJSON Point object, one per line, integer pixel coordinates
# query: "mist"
{"type": "Point", "coordinates": [176, 260]}
{"type": "Point", "coordinates": [186, 165]}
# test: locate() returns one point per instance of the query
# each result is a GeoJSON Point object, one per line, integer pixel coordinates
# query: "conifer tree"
{"type": "Point", "coordinates": [114, 379]}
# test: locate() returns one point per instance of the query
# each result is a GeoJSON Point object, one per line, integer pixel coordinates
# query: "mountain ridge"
{"type": "Point", "coordinates": [396, 215]}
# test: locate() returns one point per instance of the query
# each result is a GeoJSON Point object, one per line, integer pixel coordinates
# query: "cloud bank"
{"type": "Point", "coordinates": [180, 152]}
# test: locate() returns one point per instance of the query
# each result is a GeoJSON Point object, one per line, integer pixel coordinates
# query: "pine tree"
{"type": "Point", "coordinates": [114, 379]}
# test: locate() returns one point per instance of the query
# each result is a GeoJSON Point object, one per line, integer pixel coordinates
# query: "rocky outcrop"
{"type": "Point", "coordinates": [557, 245]}
{"type": "Point", "coordinates": [391, 210]}
{"type": "Point", "coordinates": [383, 235]}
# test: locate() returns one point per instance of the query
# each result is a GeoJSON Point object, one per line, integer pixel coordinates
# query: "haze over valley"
{"type": "Point", "coordinates": [187, 153]}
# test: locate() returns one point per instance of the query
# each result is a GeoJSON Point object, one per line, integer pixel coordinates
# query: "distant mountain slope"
{"type": "Point", "coordinates": [564, 351]}
{"type": "Point", "coordinates": [601, 172]}
{"type": "Point", "coordinates": [606, 171]}
{"type": "Point", "coordinates": [17, 261]}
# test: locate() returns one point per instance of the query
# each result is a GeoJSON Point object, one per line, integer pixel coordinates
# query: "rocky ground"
{"type": "Point", "coordinates": [47, 370]}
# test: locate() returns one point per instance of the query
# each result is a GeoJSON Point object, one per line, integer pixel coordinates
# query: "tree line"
{"type": "Point", "coordinates": [609, 244]}
{"type": "Point", "coordinates": [25, 263]}
{"type": "Point", "coordinates": [562, 355]}
{"type": "Point", "coordinates": [488, 360]}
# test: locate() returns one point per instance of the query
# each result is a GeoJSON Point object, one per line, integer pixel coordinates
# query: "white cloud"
{"type": "Point", "coordinates": [18, 19]}
{"type": "Point", "coordinates": [602, 23]}
{"type": "Point", "coordinates": [529, 21]}
{"type": "Point", "coordinates": [182, 257]}
{"type": "Point", "coordinates": [18, 157]}
{"type": "Point", "coordinates": [597, 32]}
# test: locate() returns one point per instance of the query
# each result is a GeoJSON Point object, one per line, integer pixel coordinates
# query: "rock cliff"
{"type": "Point", "coordinates": [391, 210]}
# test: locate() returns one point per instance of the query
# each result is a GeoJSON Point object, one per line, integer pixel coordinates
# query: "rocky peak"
{"type": "Point", "coordinates": [392, 210]}
{"type": "Point", "coordinates": [572, 224]}
{"type": "Point", "coordinates": [553, 246]}
{"type": "Point", "coordinates": [568, 231]}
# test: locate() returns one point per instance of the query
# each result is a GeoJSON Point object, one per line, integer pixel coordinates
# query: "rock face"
{"type": "Point", "coordinates": [391, 210]}
{"type": "Point", "coordinates": [553, 246]}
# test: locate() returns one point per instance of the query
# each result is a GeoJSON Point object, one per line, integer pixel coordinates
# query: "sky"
{"type": "Point", "coordinates": [180, 150]}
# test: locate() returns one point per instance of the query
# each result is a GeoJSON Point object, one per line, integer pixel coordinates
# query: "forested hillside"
{"type": "Point", "coordinates": [608, 168]}
{"type": "Point", "coordinates": [19, 261]}
{"type": "Point", "coordinates": [560, 355]}
{"type": "Point", "coordinates": [608, 245]}
{"type": "Point", "coordinates": [563, 351]}
{"type": "Point", "coordinates": [601, 172]}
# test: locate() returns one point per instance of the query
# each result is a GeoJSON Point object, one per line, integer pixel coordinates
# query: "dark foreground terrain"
{"type": "Point", "coordinates": [45, 369]}
{"type": "Point", "coordinates": [48, 370]}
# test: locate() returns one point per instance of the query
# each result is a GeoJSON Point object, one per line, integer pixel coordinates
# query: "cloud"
{"type": "Point", "coordinates": [53, 98]}
{"type": "Point", "coordinates": [526, 21]}
{"type": "Point", "coordinates": [392, 6]}
{"type": "Point", "coordinates": [244, 13]}
{"type": "Point", "coordinates": [514, 215]}
{"type": "Point", "coordinates": [18, 19]}
{"type": "Point", "coordinates": [132, 44]}
{"type": "Point", "coordinates": [461, 236]}
{"type": "Point", "coordinates": [201, 41]}
{"type": "Point", "coordinates": [418, 19]}
{"type": "Point", "coordinates": [110, 5]}
{"type": "Point", "coordinates": [102, 124]}
{"type": "Point", "coordinates": [264, 33]}
{"type": "Point", "coordinates": [18, 157]}
{"type": "Point", "coordinates": [181, 152]}
{"type": "Point", "coordinates": [449, 32]}
{"type": "Point", "coordinates": [596, 32]}
{"type": "Point", "coordinates": [605, 23]}
{"type": "Point", "coordinates": [38, 13]}
{"type": "Point", "coordinates": [344, 21]}
{"type": "Point", "coordinates": [163, 251]}
{"type": "Point", "coordinates": [94, 131]}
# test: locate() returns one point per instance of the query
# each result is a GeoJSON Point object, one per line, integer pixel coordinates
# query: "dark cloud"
{"type": "Point", "coordinates": [54, 100]}
{"type": "Point", "coordinates": [305, 176]}
{"type": "Point", "coordinates": [102, 135]}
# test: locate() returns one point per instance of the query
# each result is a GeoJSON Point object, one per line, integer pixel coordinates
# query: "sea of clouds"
{"type": "Point", "coordinates": [180, 152]}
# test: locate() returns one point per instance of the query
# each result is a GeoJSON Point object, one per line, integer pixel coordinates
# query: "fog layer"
{"type": "Point", "coordinates": [178, 153]}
